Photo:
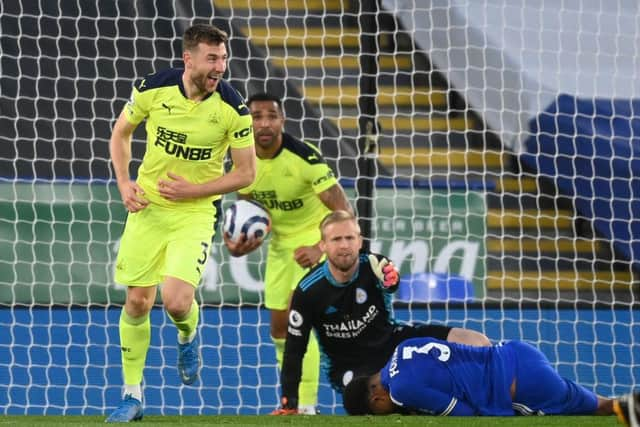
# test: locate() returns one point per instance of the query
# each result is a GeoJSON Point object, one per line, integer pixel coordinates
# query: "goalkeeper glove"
{"type": "Point", "coordinates": [287, 407]}
{"type": "Point", "coordinates": [385, 271]}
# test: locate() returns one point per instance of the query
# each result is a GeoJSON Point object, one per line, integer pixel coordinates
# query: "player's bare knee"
{"type": "Point", "coordinates": [178, 308]}
{"type": "Point", "coordinates": [469, 337]}
{"type": "Point", "coordinates": [177, 298]}
{"type": "Point", "coordinates": [138, 304]}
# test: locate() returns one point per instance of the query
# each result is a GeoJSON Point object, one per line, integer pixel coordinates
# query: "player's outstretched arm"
{"type": "Point", "coordinates": [299, 328]}
{"type": "Point", "coordinates": [335, 198]}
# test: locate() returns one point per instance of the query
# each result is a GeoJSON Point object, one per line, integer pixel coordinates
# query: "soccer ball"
{"type": "Point", "coordinates": [248, 217]}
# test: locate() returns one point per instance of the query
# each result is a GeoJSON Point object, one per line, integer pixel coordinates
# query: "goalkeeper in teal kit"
{"type": "Point", "coordinates": [434, 377]}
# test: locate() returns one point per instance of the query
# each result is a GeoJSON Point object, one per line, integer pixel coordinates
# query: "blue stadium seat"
{"type": "Point", "coordinates": [426, 287]}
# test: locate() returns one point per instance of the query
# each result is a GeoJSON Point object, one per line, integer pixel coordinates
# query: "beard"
{"type": "Point", "coordinates": [263, 142]}
{"type": "Point", "coordinates": [201, 81]}
{"type": "Point", "coordinates": [344, 262]}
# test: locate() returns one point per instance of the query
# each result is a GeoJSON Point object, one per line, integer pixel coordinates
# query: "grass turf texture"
{"type": "Point", "coordinates": [320, 420]}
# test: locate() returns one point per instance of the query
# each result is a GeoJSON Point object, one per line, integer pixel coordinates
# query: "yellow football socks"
{"type": "Point", "coordinates": [135, 336]}
{"type": "Point", "coordinates": [188, 325]}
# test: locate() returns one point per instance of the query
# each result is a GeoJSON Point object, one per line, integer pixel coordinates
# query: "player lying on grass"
{"type": "Point", "coordinates": [435, 377]}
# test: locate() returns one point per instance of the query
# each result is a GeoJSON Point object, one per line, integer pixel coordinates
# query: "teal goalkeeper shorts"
{"type": "Point", "coordinates": [159, 242]}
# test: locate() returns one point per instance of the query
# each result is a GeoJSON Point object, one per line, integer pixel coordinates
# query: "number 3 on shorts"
{"type": "Point", "coordinates": [205, 253]}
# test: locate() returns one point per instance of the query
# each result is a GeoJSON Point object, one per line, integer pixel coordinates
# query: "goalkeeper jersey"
{"type": "Point", "coordinates": [186, 137]}
{"type": "Point", "coordinates": [288, 185]}
{"type": "Point", "coordinates": [353, 322]}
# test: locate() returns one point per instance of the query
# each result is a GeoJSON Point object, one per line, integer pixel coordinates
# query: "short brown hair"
{"type": "Point", "coordinates": [334, 217]}
{"type": "Point", "coordinates": [202, 33]}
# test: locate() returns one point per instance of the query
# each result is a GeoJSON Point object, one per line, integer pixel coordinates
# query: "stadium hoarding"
{"type": "Point", "coordinates": [60, 242]}
{"type": "Point", "coordinates": [439, 231]}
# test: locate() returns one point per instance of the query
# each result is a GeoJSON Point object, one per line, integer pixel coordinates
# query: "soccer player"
{"type": "Point", "coordinates": [346, 299]}
{"type": "Point", "coordinates": [298, 189]}
{"type": "Point", "coordinates": [192, 118]}
{"type": "Point", "coordinates": [434, 377]}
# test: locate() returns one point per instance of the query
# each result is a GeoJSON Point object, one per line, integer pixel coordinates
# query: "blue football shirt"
{"type": "Point", "coordinates": [443, 378]}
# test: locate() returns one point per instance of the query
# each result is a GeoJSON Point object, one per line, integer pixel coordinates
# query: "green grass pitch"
{"type": "Point", "coordinates": [320, 420]}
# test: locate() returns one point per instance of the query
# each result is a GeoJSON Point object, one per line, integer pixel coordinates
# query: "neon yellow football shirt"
{"type": "Point", "coordinates": [186, 137]}
{"type": "Point", "coordinates": [288, 184]}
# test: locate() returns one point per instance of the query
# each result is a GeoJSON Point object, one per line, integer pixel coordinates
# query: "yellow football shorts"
{"type": "Point", "coordinates": [159, 242]}
{"type": "Point", "coordinates": [282, 272]}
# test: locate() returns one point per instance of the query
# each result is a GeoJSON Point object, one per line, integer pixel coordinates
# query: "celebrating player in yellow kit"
{"type": "Point", "coordinates": [299, 189]}
{"type": "Point", "coordinates": [192, 119]}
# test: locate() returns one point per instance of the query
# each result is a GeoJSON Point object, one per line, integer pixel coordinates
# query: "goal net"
{"type": "Point", "coordinates": [505, 182]}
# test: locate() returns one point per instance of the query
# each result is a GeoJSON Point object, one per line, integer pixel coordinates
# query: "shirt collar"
{"type": "Point", "coordinates": [333, 281]}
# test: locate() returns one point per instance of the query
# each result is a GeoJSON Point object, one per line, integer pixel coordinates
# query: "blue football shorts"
{"type": "Point", "coordinates": [540, 390]}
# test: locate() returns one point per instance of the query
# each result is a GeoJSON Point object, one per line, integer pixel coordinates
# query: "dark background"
{"type": "Point", "coordinates": [67, 69]}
